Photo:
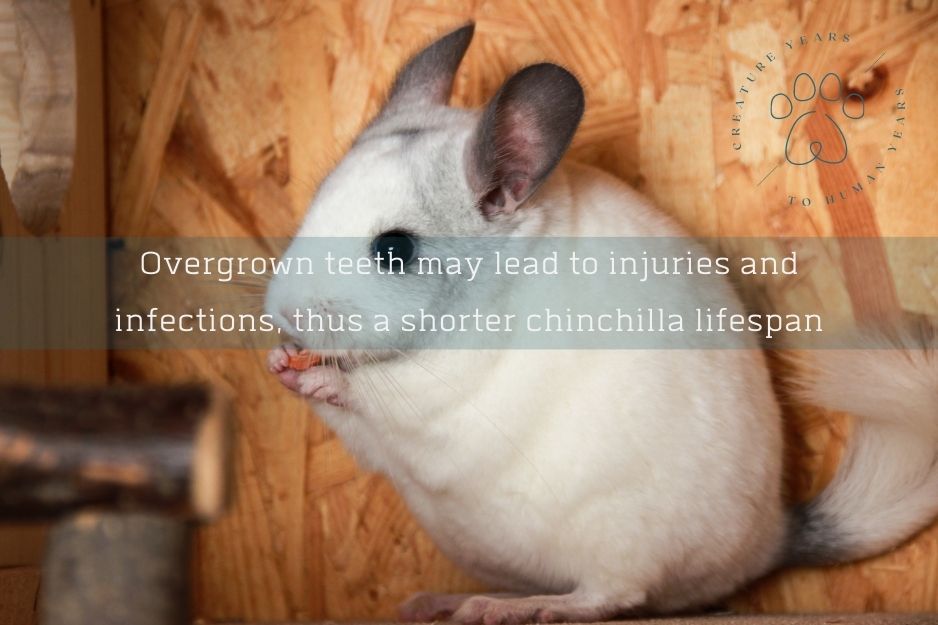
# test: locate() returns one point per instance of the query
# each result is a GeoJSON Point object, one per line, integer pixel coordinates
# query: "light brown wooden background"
{"type": "Point", "coordinates": [268, 92]}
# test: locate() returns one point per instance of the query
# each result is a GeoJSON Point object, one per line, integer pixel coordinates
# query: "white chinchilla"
{"type": "Point", "coordinates": [584, 484]}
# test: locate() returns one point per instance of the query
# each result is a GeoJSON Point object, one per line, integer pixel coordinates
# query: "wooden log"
{"type": "Point", "coordinates": [136, 448]}
{"type": "Point", "coordinates": [116, 569]}
{"type": "Point", "coordinates": [37, 129]}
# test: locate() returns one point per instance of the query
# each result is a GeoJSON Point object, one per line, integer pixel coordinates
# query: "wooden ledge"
{"type": "Point", "coordinates": [734, 619]}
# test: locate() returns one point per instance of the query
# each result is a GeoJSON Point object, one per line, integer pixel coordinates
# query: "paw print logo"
{"type": "Point", "coordinates": [805, 89]}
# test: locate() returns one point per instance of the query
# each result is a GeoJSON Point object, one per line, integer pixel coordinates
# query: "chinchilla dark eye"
{"type": "Point", "coordinates": [394, 246]}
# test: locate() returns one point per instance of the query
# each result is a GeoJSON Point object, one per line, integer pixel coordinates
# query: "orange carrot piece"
{"type": "Point", "coordinates": [303, 360]}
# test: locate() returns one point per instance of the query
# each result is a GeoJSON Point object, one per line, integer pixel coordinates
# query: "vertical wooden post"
{"type": "Point", "coordinates": [63, 90]}
{"type": "Point", "coordinates": [113, 569]}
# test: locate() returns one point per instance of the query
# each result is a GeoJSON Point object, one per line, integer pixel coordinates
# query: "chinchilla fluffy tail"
{"type": "Point", "coordinates": [886, 488]}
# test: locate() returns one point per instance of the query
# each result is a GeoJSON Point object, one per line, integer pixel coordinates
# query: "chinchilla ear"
{"type": "Point", "coordinates": [427, 79]}
{"type": "Point", "coordinates": [522, 135]}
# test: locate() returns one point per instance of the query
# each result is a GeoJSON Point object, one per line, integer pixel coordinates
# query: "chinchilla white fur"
{"type": "Point", "coordinates": [596, 482]}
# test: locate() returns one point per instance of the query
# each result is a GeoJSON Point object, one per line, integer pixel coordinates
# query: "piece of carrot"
{"type": "Point", "coordinates": [303, 360]}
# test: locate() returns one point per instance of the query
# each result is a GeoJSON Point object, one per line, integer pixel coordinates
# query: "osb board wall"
{"type": "Point", "coordinates": [224, 115]}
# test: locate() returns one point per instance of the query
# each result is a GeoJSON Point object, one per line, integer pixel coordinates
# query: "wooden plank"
{"type": "Point", "coordinates": [820, 619]}
{"type": "Point", "coordinates": [138, 184]}
{"type": "Point", "coordinates": [82, 212]}
{"type": "Point", "coordinates": [19, 588]}
{"type": "Point", "coordinates": [37, 113]}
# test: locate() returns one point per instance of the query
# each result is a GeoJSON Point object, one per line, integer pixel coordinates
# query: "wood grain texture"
{"type": "Point", "coordinates": [37, 107]}
{"type": "Point", "coordinates": [277, 89]}
{"type": "Point", "coordinates": [19, 586]}
{"type": "Point", "coordinates": [81, 213]}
